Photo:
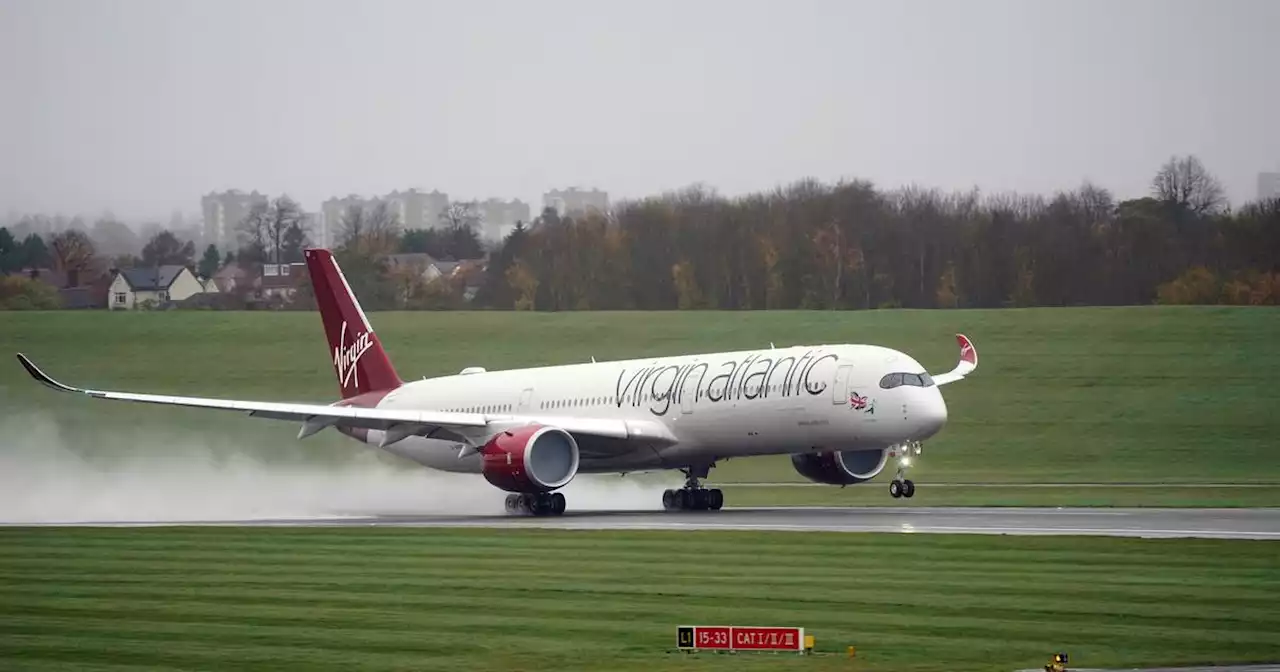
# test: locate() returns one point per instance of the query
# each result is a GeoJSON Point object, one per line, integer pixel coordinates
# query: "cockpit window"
{"type": "Point", "coordinates": [893, 380]}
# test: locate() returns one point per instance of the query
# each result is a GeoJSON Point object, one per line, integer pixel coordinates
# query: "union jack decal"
{"type": "Point", "coordinates": [861, 403]}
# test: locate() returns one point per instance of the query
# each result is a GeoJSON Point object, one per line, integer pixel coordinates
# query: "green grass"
{"type": "Point", "coordinates": [1111, 395]}
{"type": "Point", "coordinates": [344, 599]}
{"type": "Point", "coordinates": [876, 494]}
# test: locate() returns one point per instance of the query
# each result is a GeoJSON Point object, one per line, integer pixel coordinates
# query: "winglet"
{"type": "Point", "coordinates": [967, 353]}
{"type": "Point", "coordinates": [967, 364]}
{"type": "Point", "coordinates": [42, 377]}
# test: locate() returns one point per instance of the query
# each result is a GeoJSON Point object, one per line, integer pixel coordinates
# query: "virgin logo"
{"type": "Point", "coordinates": [345, 357]}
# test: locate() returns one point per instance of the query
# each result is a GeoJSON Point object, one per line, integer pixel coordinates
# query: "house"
{"type": "Point", "coordinates": [135, 287]}
{"type": "Point", "coordinates": [231, 276]}
{"type": "Point", "coordinates": [280, 281]}
{"type": "Point", "coordinates": [421, 263]}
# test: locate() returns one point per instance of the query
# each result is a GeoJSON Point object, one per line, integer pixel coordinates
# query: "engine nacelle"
{"type": "Point", "coordinates": [530, 459]}
{"type": "Point", "coordinates": [841, 467]}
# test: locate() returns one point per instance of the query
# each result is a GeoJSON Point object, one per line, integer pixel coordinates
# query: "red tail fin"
{"type": "Point", "coordinates": [358, 358]}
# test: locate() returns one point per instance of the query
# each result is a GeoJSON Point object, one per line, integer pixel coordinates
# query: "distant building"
{"type": "Point", "coordinates": [1268, 185]}
{"type": "Point", "coordinates": [498, 217]}
{"type": "Point", "coordinates": [281, 280]}
{"type": "Point", "coordinates": [223, 214]}
{"type": "Point", "coordinates": [575, 202]}
{"type": "Point", "coordinates": [418, 209]}
{"type": "Point", "coordinates": [334, 211]}
{"type": "Point", "coordinates": [133, 286]}
{"type": "Point", "coordinates": [317, 228]}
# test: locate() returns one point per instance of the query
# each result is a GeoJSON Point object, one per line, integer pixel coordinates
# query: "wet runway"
{"type": "Point", "coordinates": [1134, 522]}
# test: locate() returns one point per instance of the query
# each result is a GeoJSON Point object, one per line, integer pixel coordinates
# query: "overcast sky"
{"type": "Point", "coordinates": [141, 107]}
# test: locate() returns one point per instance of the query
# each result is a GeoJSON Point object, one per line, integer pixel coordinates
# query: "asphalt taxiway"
{"type": "Point", "coordinates": [1113, 522]}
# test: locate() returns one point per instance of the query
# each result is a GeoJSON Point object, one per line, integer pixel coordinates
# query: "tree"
{"type": "Point", "coordinates": [210, 262]}
{"type": "Point", "coordinates": [374, 230]}
{"type": "Point", "coordinates": [165, 249]}
{"type": "Point", "coordinates": [112, 238]}
{"type": "Point", "coordinates": [460, 214]}
{"type": "Point", "coordinates": [33, 253]}
{"type": "Point", "coordinates": [73, 253]}
{"type": "Point", "coordinates": [22, 293]}
{"type": "Point", "coordinates": [275, 232]}
{"type": "Point", "coordinates": [10, 252]}
{"type": "Point", "coordinates": [1185, 182]}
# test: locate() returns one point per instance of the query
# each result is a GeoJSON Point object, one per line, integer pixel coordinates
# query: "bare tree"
{"type": "Point", "coordinates": [1186, 182]}
{"type": "Point", "coordinates": [460, 214]}
{"type": "Point", "coordinates": [73, 252]}
{"type": "Point", "coordinates": [371, 230]}
{"type": "Point", "coordinates": [271, 229]}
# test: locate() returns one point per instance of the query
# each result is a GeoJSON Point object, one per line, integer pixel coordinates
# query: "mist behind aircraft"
{"type": "Point", "coordinates": [46, 476]}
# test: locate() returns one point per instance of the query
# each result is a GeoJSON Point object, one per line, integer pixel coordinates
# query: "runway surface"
{"type": "Point", "coordinates": [1215, 668]}
{"type": "Point", "coordinates": [1144, 522]}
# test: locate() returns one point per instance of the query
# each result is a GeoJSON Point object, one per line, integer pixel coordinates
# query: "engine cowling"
{"type": "Point", "coordinates": [841, 467]}
{"type": "Point", "coordinates": [535, 458]}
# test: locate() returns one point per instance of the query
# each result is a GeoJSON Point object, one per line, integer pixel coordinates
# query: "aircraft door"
{"type": "Point", "coordinates": [688, 394]}
{"type": "Point", "coordinates": [840, 390]}
{"type": "Point", "coordinates": [525, 397]}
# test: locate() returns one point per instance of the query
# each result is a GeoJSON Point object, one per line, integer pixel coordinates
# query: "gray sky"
{"type": "Point", "coordinates": [143, 106]}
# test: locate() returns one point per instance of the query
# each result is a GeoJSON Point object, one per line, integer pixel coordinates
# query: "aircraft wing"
{"type": "Point", "coordinates": [472, 428]}
{"type": "Point", "coordinates": [967, 364]}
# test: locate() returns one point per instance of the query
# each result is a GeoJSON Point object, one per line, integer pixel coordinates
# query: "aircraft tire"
{"type": "Point", "coordinates": [699, 498]}
{"type": "Point", "coordinates": [908, 489]}
{"type": "Point", "coordinates": [669, 500]}
{"type": "Point", "coordinates": [557, 503]}
{"type": "Point", "coordinates": [715, 499]}
{"type": "Point", "coordinates": [895, 489]}
{"type": "Point", "coordinates": [683, 499]}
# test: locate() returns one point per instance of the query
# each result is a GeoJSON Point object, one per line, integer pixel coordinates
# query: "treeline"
{"type": "Point", "coordinates": [854, 246]}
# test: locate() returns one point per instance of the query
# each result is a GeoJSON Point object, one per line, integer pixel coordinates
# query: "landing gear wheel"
{"type": "Point", "coordinates": [699, 500]}
{"type": "Point", "coordinates": [540, 504]}
{"type": "Point", "coordinates": [693, 497]}
{"type": "Point", "coordinates": [901, 486]}
{"type": "Point", "coordinates": [715, 499]}
{"type": "Point", "coordinates": [683, 499]}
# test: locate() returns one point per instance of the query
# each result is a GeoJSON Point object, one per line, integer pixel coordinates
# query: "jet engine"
{"type": "Point", "coordinates": [530, 459]}
{"type": "Point", "coordinates": [840, 467]}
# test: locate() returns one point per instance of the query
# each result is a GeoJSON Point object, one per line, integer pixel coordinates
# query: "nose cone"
{"type": "Point", "coordinates": [932, 416]}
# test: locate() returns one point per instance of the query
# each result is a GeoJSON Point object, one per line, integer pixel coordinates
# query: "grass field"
{"type": "Point", "coordinates": [1114, 395]}
{"type": "Point", "coordinates": [356, 599]}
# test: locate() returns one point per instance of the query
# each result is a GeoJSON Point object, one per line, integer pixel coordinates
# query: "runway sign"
{"type": "Point", "coordinates": [739, 638]}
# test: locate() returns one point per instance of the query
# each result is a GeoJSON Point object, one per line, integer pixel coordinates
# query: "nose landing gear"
{"type": "Point", "coordinates": [693, 497]}
{"type": "Point", "coordinates": [901, 486]}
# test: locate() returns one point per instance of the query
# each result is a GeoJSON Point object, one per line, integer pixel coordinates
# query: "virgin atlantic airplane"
{"type": "Point", "coordinates": [840, 411]}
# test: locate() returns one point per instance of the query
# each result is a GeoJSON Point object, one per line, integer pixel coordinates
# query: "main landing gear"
{"type": "Point", "coordinates": [538, 504]}
{"type": "Point", "coordinates": [901, 486]}
{"type": "Point", "coordinates": [693, 497]}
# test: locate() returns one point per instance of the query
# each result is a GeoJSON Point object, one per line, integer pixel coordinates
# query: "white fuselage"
{"type": "Point", "coordinates": [716, 406]}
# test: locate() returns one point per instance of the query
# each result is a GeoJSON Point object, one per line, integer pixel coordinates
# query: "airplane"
{"type": "Point", "coordinates": [839, 410]}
